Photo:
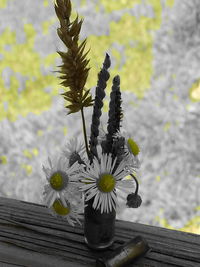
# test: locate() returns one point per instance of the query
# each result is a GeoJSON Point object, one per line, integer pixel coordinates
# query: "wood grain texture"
{"type": "Point", "coordinates": [30, 236]}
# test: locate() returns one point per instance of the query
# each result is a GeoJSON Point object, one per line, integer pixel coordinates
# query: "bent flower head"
{"type": "Point", "coordinates": [66, 211]}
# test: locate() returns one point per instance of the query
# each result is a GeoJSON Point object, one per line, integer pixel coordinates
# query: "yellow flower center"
{"type": "Point", "coordinates": [59, 208]}
{"type": "Point", "coordinates": [133, 147]}
{"type": "Point", "coordinates": [57, 181]}
{"type": "Point", "coordinates": [106, 183]}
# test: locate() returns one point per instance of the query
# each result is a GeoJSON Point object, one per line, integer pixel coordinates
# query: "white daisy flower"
{"type": "Point", "coordinates": [101, 183]}
{"type": "Point", "coordinates": [68, 211]}
{"type": "Point", "coordinates": [131, 149]}
{"type": "Point", "coordinates": [74, 151]}
{"type": "Point", "coordinates": [62, 179]}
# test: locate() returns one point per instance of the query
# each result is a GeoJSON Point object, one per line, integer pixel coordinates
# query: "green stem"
{"type": "Point", "coordinates": [84, 132]}
{"type": "Point", "coordinates": [137, 185]}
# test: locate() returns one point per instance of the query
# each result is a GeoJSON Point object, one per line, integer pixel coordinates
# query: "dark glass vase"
{"type": "Point", "coordinates": [99, 228]}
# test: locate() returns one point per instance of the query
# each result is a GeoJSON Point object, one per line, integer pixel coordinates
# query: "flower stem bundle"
{"type": "Point", "coordinates": [103, 173]}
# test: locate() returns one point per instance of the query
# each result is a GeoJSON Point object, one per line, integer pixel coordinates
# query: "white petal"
{"type": "Point", "coordinates": [92, 194]}
{"type": "Point", "coordinates": [92, 174]}
{"type": "Point", "coordinates": [47, 188]}
{"type": "Point", "coordinates": [87, 186]}
{"type": "Point", "coordinates": [103, 204]}
{"type": "Point", "coordinates": [103, 165]}
{"type": "Point", "coordinates": [120, 168]}
{"type": "Point", "coordinates": [117, 204]}
{"type": "Point", "coordinates": [50, 164]}
{"type": "Point", "coordinates": [126, 184]}
{"type": "Point", "coordinates": [96, 199]}
{"type": "Point", "coordinates": [113, 196]}
{"type": "Point", "coordinates": [113, 164]}
{"type": "Point", "coordinates": [99, 201]}
{"type": "Point", "coordinates": [73, 168]}
{"type": "Point", "coordinates": [108, 159]}
{"type": "Point", "coordinates": [108, 163]}
{"type": "Point", "coordinates": [89, 180]}
{"type": "Point", "coordinates": [120, 176]}
{"type": "Point", "coordinates": [109, 201]}
{"type": "Point", "coordinates": [96, 168]}
{"type": "Point", "coordinates": [59, 165]}
{"type": "Point", "coordinates": [54, 196]}
{"type": "Point", "coordinates": [106, 202]}
{"type": "Point", "coordinates": [112, 202]}
{"type": "Point", "coordinates": [48, 197]}
{"type": "Point", "coordinates": [47, 171]}
{"type": "Point", "coordinates": [64, 203]}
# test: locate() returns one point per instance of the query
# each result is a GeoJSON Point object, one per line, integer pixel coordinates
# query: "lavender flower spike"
{"type": "Point", "coordinates": [115, 113]}
{"type": "Point", "coordinates": [103, 77]}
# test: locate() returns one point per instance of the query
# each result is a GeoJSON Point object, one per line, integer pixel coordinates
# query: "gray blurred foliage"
{"type": "Point", "coordinates": [173, 155]}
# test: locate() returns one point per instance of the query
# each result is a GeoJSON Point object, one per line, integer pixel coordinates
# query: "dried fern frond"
{"type": "Point", "coordinates": [74, 69]}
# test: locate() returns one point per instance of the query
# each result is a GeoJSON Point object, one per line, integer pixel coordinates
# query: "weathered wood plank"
{"type": "Point", "coordinates": [28, 229]}
{"type": "Point", "coordinates": [15, 256]}
{"type": "Point", "coordinates": [175, 247]}
{"type": "Point", "coordinates": [159, 231]}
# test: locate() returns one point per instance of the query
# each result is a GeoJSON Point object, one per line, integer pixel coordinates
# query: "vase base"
{"type": "Point", "coordinates": [98, 247]}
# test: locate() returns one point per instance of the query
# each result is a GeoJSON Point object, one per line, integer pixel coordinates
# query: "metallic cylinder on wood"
{"type": "Point", "coordinates": [125, 254]}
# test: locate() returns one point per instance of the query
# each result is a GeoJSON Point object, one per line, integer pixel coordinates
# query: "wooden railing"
{"type": "Point", "coordinates": [30, 236]}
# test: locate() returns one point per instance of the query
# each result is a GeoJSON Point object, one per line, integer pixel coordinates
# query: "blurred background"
{"type": "Point", "coordinates": [154, 47]}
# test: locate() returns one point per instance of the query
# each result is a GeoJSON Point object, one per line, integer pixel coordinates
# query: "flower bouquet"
{"type": "Point", "coordinates": [89, 179]}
